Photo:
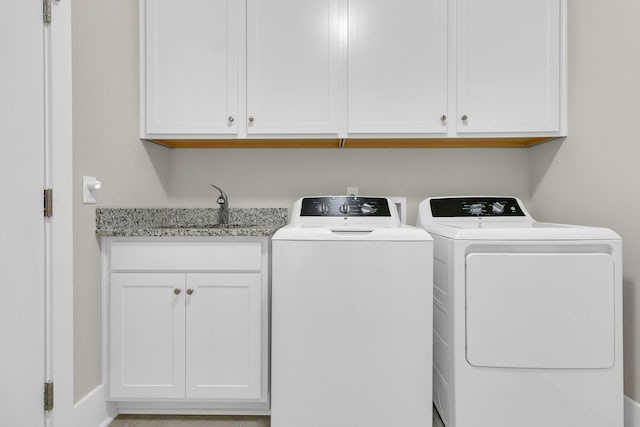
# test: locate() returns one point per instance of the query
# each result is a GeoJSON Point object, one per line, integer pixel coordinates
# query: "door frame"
{"type": "Point", "coordinates": [59, 175]}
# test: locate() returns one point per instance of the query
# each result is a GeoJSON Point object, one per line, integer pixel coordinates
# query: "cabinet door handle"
{"type": "Point", "coordinates": [464, 118]}
{"type": "Point", "coordinates": [177, 291]}
{"type": "Point", "coordinates": [231, 119]}
{"type": "Point", "coordinates": [189, 291]}
{"type": "Point", "coordinates": [443, 118]}
{"type": "Point", "coordinates": [251, 119]}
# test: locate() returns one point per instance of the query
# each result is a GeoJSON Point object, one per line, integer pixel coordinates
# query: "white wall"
{"type": "Point", "coordinates": [277, 177]}
{"type": "Point", "coordinates": [105, 114]}
{"type": "Point", "coordinates": [593, 177]}
{"type": "Point", "coordinates": [105, 145]}
{"type": "Point", "coordinates": [589, 178]}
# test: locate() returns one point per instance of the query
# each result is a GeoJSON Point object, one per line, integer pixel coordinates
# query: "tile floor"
{"type": "Point", "coordinates": [188, 421]}
{"type": "Point", "coordinates": [202, 421]}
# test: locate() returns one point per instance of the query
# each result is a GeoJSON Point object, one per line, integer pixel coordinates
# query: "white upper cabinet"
{"type": "Point", "coordinates": [397, 66]}
{"type": "Point", "coordinates": [509, 66]}
{"type": "Point", "coordinates": [329, 69]}
{"type": "Point", "coordinates": [189, 66]}
{"type": "Point", "coordinates": [292, 67]}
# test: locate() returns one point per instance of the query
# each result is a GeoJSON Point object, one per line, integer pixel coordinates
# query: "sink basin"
{"type": "Point", "coordinates": [204, 226]}
{"type": "Point", "coordinates": [234, 225]}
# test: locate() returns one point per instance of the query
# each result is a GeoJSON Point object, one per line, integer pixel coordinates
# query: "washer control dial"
{"type": "Point", "coordinates": [344, 208]}
{"type": "Point", "coordinates": [366, 209]}
{"type": "Point", "coordinates": [323, 207]}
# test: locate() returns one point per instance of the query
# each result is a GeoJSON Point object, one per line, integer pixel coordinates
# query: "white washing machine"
{"type": "Point", "coordinates": [527, 317]}
{"type": "Point", "coordinates": [351, 317]}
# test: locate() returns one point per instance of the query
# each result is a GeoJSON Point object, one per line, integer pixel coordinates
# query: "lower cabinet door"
{"type": "Point", "coordinates": [147, 335]}
{"type": "Point", "coordinates": [223, 356]}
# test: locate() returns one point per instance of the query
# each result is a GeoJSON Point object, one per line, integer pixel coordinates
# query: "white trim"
{"type": "Point", "coordinates": [62, 220]}
{"type": "Point", "coordinates": [142, 64]}
{"type": "Point", "coordinates": [92, 410]}
{"type": "Point", "coordinates": [193, 408]}
{"type": "Point", "coordinates": [631, 412]}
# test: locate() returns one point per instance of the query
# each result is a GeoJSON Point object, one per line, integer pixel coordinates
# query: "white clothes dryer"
{"type": "Point", "coordinates": [351, 317]}
{"type": "Point", "coordinates": [527, 317]}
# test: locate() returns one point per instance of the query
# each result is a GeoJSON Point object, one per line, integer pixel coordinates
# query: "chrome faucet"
{"type": "Point", "coordinates": [223, 210]}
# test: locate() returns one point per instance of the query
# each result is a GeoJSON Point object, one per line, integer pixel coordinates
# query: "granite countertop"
{"type": "Point", "coordinates": [161, 222]}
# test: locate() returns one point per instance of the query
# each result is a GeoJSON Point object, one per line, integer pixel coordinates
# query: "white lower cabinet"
{"type": "Point", "coordinates": [147, 335]}
{"type": "Point", "coordinates": [188, 331]}
{"type": "Point", "coordinates": [223, 336]}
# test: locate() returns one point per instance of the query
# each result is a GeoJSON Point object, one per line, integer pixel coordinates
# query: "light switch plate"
{"type": "Point", "coordinates": [88, 197]}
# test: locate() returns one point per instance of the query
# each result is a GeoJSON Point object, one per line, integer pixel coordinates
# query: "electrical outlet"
{"type": "Point", "coordinates": [352, 191]}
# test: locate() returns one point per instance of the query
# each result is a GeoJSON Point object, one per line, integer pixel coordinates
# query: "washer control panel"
{"type": "Point", "coordinates": [475, 207]}
{"type": "Point", "coordinates": [345, 206]}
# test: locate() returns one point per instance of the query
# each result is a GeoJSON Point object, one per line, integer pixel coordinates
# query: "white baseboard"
{"type": "Point", "coordinates": [631, 413]}
{"type": "Point", "coordinates": [94, 410]}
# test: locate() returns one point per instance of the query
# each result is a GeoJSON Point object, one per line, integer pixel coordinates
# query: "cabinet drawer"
{"type": "Point", "coordinates": [171, 256]}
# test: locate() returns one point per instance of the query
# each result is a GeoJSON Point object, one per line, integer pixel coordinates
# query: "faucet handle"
{"type": "Point", "coordinates": [222, 198]}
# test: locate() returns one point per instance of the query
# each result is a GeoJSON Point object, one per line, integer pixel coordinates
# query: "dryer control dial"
{"type": "Point", "coordinates": [344, 208]}
{"type": "Point", "coordinates": [497, 208]}
{"type": "Point", "coordinates": [476, 209]}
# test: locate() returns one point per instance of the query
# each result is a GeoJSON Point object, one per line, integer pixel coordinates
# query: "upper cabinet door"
{"type": "Point", "coordinates": [397, 62]}
{"type": "Point", "coordinates": [508, 66]}
{"type": "Point", "coordinates": [292, 67]}
{"type": "Point", "coordinates": [190, 64]}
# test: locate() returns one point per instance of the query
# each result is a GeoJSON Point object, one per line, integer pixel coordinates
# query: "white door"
{"type": "Point", "coordinates": [147, 335]}
{"type": "Point", "coordinates": [397, 58]}
{"type": "Point", "coordinates": [191, 63]}
{"type": "Point", "coordinates": [22, 231]}
{"type": "Point", "coordinates": [224, 336]}
{"type": "Point", "coordinates": [508, 66]}
{"type": "Point", "coordinates": [292, 66]}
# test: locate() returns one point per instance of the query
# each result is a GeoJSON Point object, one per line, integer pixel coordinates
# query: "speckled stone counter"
{"type": "Point", "coordinates": [161, 222]}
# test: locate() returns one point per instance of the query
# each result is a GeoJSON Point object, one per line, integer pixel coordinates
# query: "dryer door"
{"type": "Point", "coordinates": [540, 310]}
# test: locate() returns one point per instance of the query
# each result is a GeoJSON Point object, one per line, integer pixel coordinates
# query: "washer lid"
{"type": "Point", "coordinates": [404, 233]}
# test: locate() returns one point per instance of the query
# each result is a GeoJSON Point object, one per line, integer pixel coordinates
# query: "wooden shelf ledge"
{"type": "Point", "coordinates": [355, 143]}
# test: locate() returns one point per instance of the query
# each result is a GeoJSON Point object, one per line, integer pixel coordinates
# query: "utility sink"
{"type": "Point", "coordinates": [204, 226]}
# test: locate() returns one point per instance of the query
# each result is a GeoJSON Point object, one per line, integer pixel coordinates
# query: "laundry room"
{"type": "Point", "coordinates": [584, 173]}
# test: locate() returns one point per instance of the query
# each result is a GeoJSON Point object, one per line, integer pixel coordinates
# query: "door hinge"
{"type": "Point", "coordinates": [46, 11]}
{"type": "Point", "coordinates": [48, 396]}
{"type": "Point", "coordinates": [48, 202]}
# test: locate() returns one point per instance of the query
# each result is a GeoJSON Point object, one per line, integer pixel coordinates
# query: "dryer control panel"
{"type": "Point", "coordinates": [475, 207]}
{"type": "Point", "coordinates": [345, 206]}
